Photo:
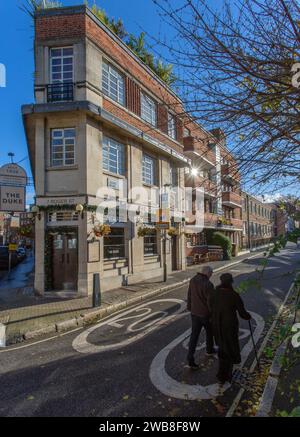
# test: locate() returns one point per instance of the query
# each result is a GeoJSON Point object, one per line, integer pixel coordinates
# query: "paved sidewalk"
{"type": "Point", "coordinates": [42, 315]}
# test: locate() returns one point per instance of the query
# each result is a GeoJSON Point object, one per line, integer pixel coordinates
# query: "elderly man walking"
{"type": "Point", "coordinates": [199, 296]}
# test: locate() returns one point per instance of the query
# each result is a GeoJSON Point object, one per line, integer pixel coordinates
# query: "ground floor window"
{"type": "Point", "coordinates": [150, 243]}
{"type": "Point", "coordinates": [114, 244]}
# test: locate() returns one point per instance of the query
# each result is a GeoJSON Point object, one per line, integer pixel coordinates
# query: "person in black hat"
{"type": "Point", "coordinates": [226, 303]}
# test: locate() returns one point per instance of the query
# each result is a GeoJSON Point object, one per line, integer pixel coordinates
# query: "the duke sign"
{"type": "Point", "coordinates": [13, 179]}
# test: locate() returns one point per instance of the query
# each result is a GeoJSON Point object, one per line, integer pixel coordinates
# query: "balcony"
{"type": "Point", "coordinates": [230, 173]}
{"type": "Point", "coordinates": [232, 199]}
{"type": "Point", "coordinates": [60, 92]}
{"type": "Point", "coordinates": [209, 187]}
{"type": "Point", "coordinates": [196, 150]}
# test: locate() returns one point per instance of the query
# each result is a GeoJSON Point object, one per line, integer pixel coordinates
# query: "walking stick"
{"type": "Point", "coordinates": [254, 345]}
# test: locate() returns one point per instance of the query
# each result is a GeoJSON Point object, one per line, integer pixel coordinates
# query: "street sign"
{"type": "Point", "coordinates": [13, 175]}
{"type": "Point", "coordinates": [163, 226]}
{"type": "Point", "coordinates": [12, 247]}
{"type": "Point", "coordinates": [12, 199]}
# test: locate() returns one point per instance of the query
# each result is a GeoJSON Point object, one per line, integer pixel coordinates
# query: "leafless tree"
{"type": "Point", "coordinates": [237, 69]}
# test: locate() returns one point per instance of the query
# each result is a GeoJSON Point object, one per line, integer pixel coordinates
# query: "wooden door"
{"type": "Point", "coordinates": [65, 261]}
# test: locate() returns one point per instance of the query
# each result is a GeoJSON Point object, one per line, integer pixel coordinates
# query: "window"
{"type": "Point", "coordinates": [172, 126]}
{"type": "Point", "coordinates": [149, 170]}
{"type": "Point", "coordinates": [150, 243]}
{"type": "Point", "coordinates": [174, 176]}
{"type": "Point", "coordinates": [186, 132]}
{"type": "Point", "coordinates": [62, 147]}
{"type": "Point", "coordinates": [113, 154]}
{"type": "Point", "coordinates": [113, 83]}
{"type": "Point", "coordinates": [114, 244]}
{"type": "Point", "coordinates": [61, 65]}
{"type": "Point", "coordinates": [148, 109]}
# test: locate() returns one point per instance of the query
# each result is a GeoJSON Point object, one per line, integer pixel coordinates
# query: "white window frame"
{"type": "Point", "coordinates": [63, 147]}
{"type": "Point", "coordinates": [62, 57]}
{"type": "Point", "coordinates": [148, 170]}
{"type": "Point", "coordinates": [113, 152]}
{"type": "Point", "coordinates": [113, 83]}
{"type": "Point", "coordinates": [172, 128]}
{"type": "Point", "coordinates": [148, 109]}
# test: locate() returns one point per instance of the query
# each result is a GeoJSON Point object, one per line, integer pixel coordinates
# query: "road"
{"type": "Point", "coordinates": [133, 363]}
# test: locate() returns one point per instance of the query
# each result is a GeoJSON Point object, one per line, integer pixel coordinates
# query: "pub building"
{"type": "Point", "coordinates": [101, 120]}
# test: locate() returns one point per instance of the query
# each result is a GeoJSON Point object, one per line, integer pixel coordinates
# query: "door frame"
{"type": "Point", "coordinates": [48, 253]}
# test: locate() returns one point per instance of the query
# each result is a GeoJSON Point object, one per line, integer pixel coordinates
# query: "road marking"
{"type": "Point", "coordinates": [2, 335]}
{"type": "Point", "coordinates": [261, 349]}
{"type": "Point", "coordinates": [172, 388]}
{"type": "Point", "coordinates": [142, 313]}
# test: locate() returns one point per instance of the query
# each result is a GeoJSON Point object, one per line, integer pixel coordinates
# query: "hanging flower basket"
{"type": "Point", "coordinates": [172, 232]}
{"type": "Point", "coordinates": [101, 230]}
{"type": "Point", "coordinates": [143, 231]}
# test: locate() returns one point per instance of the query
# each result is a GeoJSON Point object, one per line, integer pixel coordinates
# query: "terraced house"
{"type": "Point", "coordinates": [259, 220]}
{"type": "Point", "coordinates": [103, 125]}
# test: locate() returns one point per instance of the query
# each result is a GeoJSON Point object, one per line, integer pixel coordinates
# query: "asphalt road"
{"type": "Point", "coordinates": [132, 364]}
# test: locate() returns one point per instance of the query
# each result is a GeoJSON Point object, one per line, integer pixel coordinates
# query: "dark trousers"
{"type": "Point", "coordinates": [197, 324]}
{"type": "Point", "coordinates": [225, 367]}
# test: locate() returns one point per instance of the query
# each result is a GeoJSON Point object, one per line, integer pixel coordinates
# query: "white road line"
{"type": "Point", "coordinates": [261, 349]}
{"type": "Point", "coordinates": [2, 335]}
{"type": "Point", "coordinates": [172, 388]}
{"type": "Point", "coordinates": [81, 344]}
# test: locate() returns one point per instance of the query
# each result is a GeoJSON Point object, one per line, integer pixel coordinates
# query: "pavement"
{"type": "Point", "coordinates": [133, 363]}
{"type": "Point", "coordinates": [28, 316]}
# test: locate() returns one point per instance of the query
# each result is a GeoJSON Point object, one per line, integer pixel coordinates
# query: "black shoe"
{"type": "Point", "coordinates": [193, 366]}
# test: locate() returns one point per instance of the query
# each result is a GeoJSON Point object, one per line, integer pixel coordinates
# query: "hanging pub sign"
{"type": "Point", "coordinates": [13, 174]}
{"type": "Point", "coordinates": [13, 180]}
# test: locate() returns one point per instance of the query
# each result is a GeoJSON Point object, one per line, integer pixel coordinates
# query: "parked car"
{"type": "Point", "coordinates": [4, 258]}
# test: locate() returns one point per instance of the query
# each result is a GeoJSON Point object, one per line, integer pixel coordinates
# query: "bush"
{"type": "Point", "coordinates": [220, 239]}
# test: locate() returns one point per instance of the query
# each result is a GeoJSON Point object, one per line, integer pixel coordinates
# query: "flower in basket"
{"type": "Point", "coordinates": [101, 230]}
{"type": "Point", "coordinates": [172, 232]}
{"type": "Point", "coordinates": [143, 231]}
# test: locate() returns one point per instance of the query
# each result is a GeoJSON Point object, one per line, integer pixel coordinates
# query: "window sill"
{"type": "Point", "coordinates": [114, 175]}
{"type": "Point", "coordinates": [62, 168]}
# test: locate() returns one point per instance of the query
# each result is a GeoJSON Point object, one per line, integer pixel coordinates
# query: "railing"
{"type": "Point", "coordinates": [231, 197]}
{"type": "Point", "coordinates": [60, 92]}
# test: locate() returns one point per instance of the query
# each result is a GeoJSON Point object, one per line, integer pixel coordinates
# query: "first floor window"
{"type": "Point", "coordinates": [150, 243]}
{"type": "Point", "coordinates": [62, 147]}
{"type": "Point", "coordinates": [149, 170]}
{"type": "Point", "coordinates": [114, 244]}
{"type": "Point", "coordinates": [113, 156]}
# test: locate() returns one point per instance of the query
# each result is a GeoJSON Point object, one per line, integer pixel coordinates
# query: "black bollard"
{"type": "Point", "coordinates": [96, 291]}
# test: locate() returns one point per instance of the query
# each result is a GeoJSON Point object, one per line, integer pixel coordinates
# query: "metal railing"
{"type": "Point", "coordinates": [60, 92]}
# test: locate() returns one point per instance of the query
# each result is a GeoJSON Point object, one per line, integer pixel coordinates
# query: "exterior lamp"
{"type": "Point", "coordinates": [80, 209]}
{"type": "Point", "coordinates": [36, 211]}
{"type": "Point", "coordinates": [194, 172]}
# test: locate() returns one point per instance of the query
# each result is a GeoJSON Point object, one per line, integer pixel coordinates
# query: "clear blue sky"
{"type": "Point", "coordinates": [16, 53]}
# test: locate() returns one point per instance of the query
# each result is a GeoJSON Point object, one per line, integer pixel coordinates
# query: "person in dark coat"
{"type": "Point", "coordinates": [199, 296]}
{"type": "Point", "coordinates": [226, 303]}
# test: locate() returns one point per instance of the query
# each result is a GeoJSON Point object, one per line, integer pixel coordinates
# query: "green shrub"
{"type": "Point", "coordinates": [220, 239]}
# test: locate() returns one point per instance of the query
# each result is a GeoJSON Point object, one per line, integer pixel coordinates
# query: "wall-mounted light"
{"type": "Point", "coordinates": [36, 212]}
{"type": "Point", "coordinates": [80, 209]}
